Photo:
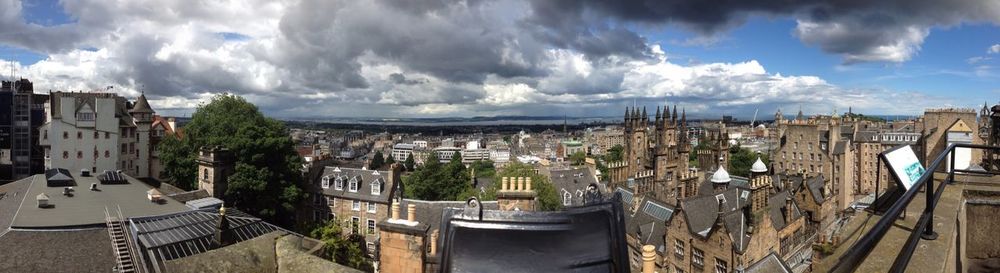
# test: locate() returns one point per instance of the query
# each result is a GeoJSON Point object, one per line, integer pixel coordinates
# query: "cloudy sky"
{"type": "Point", "coordinates": [436, 58]}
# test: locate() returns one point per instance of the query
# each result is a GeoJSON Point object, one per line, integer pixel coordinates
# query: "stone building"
{"type": "Point", "coordinates": [951, 125]}
{"type": "Point", "coordinates": [656, 158]}
{"type": "Point", "coordinates": [357, 199]}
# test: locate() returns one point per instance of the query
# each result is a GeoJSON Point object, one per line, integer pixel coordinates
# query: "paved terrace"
{"type": "Point", "coordinates": [930, 256]}
{"type": "Point", "coordinates": [86, 208]}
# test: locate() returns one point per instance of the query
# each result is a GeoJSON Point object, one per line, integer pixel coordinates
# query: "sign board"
{"type": "Point", "coordinates": [904, 165]}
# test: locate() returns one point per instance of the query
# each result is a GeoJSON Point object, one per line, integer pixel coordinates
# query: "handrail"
{"type": "Point", "coordinates": [850, 261]}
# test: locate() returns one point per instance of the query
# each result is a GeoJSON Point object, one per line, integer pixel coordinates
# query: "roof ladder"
{"type": "Point", "coordinates": [120, 243]}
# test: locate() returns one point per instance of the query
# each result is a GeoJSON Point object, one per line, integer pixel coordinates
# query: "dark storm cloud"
{"type": "Point", "coordinates": [861, 30]}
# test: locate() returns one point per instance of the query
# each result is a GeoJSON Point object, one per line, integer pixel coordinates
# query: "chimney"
{"type": "Point", "coordinates": [411, 212]}
{"type": "Point", "coordinates": [434, 237]}
{"type": "Point", "coordinates": [504, 184]}
{"type": "Point", "coordinates": [648, 259]}
{"type": "Point", "coordinates": [520, 184]}
{"type": "Point", "coordinates": [788, 209]}
{"type": "Point", "coordinates": [527, 184]}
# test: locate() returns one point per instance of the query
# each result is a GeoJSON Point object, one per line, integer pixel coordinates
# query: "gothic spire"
{"type": "Point", "coordinates": [657, 114]}
{"type": "Point", "coordinates": [674, 118]}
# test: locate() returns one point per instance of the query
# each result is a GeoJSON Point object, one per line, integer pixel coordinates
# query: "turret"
{"type": "Point", "coordinates": [674, 117]}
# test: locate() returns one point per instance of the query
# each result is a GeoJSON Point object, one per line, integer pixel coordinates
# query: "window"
{"type": "Point", "coordinates": [65, 135]}
{"type": "Point", "coordinates": [371, 226]}
{"type": "Point", "coordinates": [567, 198]}
{"type": "Point", "coordinates": [376, 187]}
{"type": "Point", "coordinates": [356, 205]}
{"type": "Point", "coordinates": [79, 135]}
{"type": "Point", "coordinates": [697, 258]}
{"type": "Point", "coordinates": [679, 248]}
{"type": "Point", "coordinates": [124, 148]}
{"type": "Point", "coordinates": [45, 134]}
{"type": "Point", "coordinates": [332, 201]}
{"type": "Point", "coordinates": [79, 154]}
{"type": "Point", "coordinates": [95, 154]}
{"type": "Point", "coordinates": [353, 184]}
{"type": "Point", "coordinates": [355, 222]}
{"type": "Point", "coordinates": [372, 206]}
{"type": "Point", "coordinates": [96, 134]}
{"type": "Point", "coordinates": [678, 269]}
{"type": "Point", "coordinates": [720, 266]}
{"type": "Point", "coordinates": [65, 154]}
{"type": "Point", "coordinates": [107, 154]}
{"type": "Point", "coordinates": [338, 183]}
{"type": "Point", "coordinates": [85, 116]}
{"type": "Point", "coordinates": [204, 174]}
{"type": "Point", "coordinates": [131, 147]}
{"type": "Point", "coordinates": [107, 135]}
{"type": "Point", "coordinates": [326, 182]}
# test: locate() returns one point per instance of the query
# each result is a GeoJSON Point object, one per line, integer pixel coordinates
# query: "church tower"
{"type": "Point", "coordinates": [636, 143]}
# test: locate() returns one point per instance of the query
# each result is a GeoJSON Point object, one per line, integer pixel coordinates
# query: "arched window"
{"type": "Point", "coordinates": [204, 174]}
{"type": "Point", "coordinates": [326, 182]}
{"type": "Point", "coordinates": [567, 198]}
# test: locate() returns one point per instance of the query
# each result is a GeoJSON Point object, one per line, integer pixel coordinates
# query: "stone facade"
{"type": "Point", "coordinates": [656, 158]}
{"type": "Point", "coordinates": [215, 165]}
{"type": "Point", "coordinates": [402, 248]}
{"type": "Point", "coordinates": [516, 194]}
{"type": "Point", "coordinates": [935, 133]}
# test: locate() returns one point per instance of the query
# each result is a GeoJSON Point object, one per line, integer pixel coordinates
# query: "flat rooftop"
{"type": "Point", "coordinates": [86, 207]}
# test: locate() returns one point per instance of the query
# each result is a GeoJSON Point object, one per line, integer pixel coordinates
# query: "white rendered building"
{"type": "Point", "coordinates": [97, 132]}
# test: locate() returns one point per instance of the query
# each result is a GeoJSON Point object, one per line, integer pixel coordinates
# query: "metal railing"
{"type": "Point", "coordinates": [924, 229]}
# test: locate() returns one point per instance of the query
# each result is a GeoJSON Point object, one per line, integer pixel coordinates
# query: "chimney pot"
{"type": "Point", "coordinates": [411, 211]}
{"type": "Point", "coordinates": [648, 259]}
{"type": "Point", "coordinates": [527, 184]}
{"type": "Point", "coordinates": [520, 184]}
{"type": "Point", "coordinates": [505, 183]}
{"type": "Point", "coordinates": [395, 211]}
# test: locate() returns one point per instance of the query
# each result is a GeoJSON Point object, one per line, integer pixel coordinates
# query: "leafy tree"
{"type": "Point", "coordinates": [377, 161]}
{"type": "Point", "coordinates": [349, 250]}
{"type": "Point", "coordinates": [409, 163]}
{"type": "Point", "coordinates": [506, 139]}
{"type": "Point", "coordinates": [389, 161]}
{"type": "Point", "coordinates": [615, 154]}
{"type": "Point", "coordinates": [741, 159]}
{"type": "Point", "coordinates": [179, 162]}
{"type": "Point", "coordinates": [578, 158]}
{"type": "Point", "coordinates": [548, 198]}
{"type": "Point", "coordinates": [483, 168]}
{"type": "Point", "coordinates": [267, 178]}
{"type": "Point", "coordinates": [435, 181]}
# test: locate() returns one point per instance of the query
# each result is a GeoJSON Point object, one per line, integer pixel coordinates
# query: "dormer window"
{"type": "Point", "coordinates": [326, 182]}
{"type": "Point", "coordinates": [377, 187]}
{"type": "Point", "coordinates": [353, 184]}
{"type": "Point", "coordinates": [338, 184]}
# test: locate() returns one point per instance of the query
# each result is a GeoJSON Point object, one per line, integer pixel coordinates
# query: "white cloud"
{"type": "Point", "coordinates": [994, 49]}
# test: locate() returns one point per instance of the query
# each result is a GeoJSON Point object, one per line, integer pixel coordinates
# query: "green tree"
{"type": "Point", "coordinates": [377, 161]}
{"type": "Point", "coordinates": [349, 250]}
{"type": "Point", "coordinates": [483, 168]}
{"type": "Point", "coordinates": [409, 163]}
{"type": "Point", "coordinates": [578, 158]}
{"type": "Point", "coordinates": [741, 159]}
{"type": "Point", "coordinates": [389, 161]}
{"type": "Point", "coordinates": [267, 179]}
{"type": "Point", "coordinates": [548, 198]}
{"type": "Point", "coordinates": [436, 181]}
{"type": "Point", "coordinates": [615, 154]}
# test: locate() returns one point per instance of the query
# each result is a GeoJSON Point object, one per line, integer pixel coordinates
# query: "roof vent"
{"type": "Point", "coordinates": [84, 172]}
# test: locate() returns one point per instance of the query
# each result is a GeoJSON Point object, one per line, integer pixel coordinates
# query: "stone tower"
{"type": "Point", "coordinates": [636, 143]}
{"type": "Point", "coordinates": [143, 116]}
{"type": "Point", "coordinates": [215, 165]}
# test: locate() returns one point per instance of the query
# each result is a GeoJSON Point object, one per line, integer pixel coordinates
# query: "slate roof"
{"type": "Point", "coordinates": [865, 136]}
{"type": "Point", "coordinates": [840, 147]}
{"type": "Point", "coordinates": [141, 105]}
{"type": "Point", "coordinates": [648, 223]}
{"type": "Point", "coordinates": [706, 187]}
{"type": "Point", "coordinates": [774, 205]}
{"type": "Point", "coordinates": [89, 98]}
{"type": "Point", "coordinates": [703, 211]}
{"type": "Point", "coordinates": [430, 212]}
{"type": "Point", "coordinates": [815, 185]}
{"type": "Point", "coordinates": [364, 179]}
{"type": "Point", "coordinates": [574, 181]}
{"type": "Point", "coordinates": [627, 196]}
{"type": "Point", "coordinates": [11, 195]}
{"type": "Point", "coordinates": [769, 264]}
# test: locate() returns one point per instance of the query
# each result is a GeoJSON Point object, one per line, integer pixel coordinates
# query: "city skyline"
{"type": "Point", "coordinates": [456, 59]}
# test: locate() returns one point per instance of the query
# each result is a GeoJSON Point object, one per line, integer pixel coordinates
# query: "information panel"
{"type": "Point", "coordinates": [904, 165]}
